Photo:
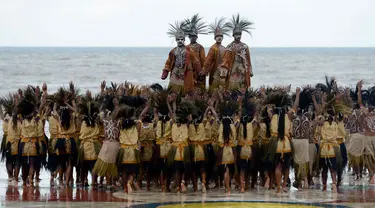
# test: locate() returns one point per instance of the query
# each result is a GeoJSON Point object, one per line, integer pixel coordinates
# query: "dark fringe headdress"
{"type": "Point", "coordinates": [159, 100]}
{"type": "Point", "coordinates": [125, 115]}
{"type": "Point", "coordinates": [200, 105]}
{"type": "Point", "coordinates": [333, 105]}
{"type": "Point", "coordinates": [239, 25]}
{"type": "Point", "coordinates": [8, 103]}
{"type": "Point", "coordinates": [195, 25]}
{"type": "Point", "coordinates": [305, 98]}
{"type": "Point", "coordinates": [89, 109]}
{"type": "Point", "coordinates": [27, 103]}
{"type": "Point", "coordinates": [184, 109]}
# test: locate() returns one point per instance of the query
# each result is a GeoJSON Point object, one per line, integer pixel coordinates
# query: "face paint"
{"type": "Point", "coordinates": [219, 39]}
{"type": "Point", "coordinates": [237, 36]}
{"type": "Point", "coordinates": [180, 41]}
{"type": "Point", "coordinates": [193, 38]}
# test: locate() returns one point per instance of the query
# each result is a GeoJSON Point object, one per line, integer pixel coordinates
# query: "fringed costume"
{"type": "Point", "coordinates": [215, 54]}
{"type": "Point", "coordinates": [236, 63]}
{"type": "Point", "coordinates": [106, 163]}
{"type": "Point", "coordinates": [182, 63]}
{"type": "Point", "coordinates": [194, 27]}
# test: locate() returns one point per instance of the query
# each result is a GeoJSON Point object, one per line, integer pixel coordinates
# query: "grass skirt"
{"type": "Point", "coordinates": [12, 160]}
{"type": "Point", "coordinates": [333, 162]}
{"type": "Point", "coordinates": [52, 163]}
{"type": "Point", "coordinates": [369, 156]}
{"type": "Point", "coordinates": [177, 165]}
{"type": "Point", "coordinates": [104, 169]}
{"type": "Point", "coordinates": [129, 168]}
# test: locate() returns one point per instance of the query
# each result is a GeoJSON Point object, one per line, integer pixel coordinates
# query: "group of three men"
{"type": "Point", "coordinates": [228, 67]}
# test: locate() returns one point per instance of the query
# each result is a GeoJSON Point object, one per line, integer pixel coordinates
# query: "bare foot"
{"type": "Point", "coordinates": [204, 188]}
{"type": "Point", "coordinates": [372, 180]}
{"type": "Point", "coordinates": [130, 190]}
{"type": "Point", "coordinates": [324, 187]}
{"type": "Point", "coordinates": [267, 184]}
{"type": "Point", "coordinates": [183, 188]}
{"type": "Point", "coordinates": [334, 188]}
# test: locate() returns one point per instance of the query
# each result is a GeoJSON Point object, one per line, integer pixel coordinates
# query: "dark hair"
{"type": "Point", "coordinates": [65, 116]}
{"type": "Point", "coordinates": [266, 119]}
{"type": "Point", "coordinates": [148, 118]}
{"type": "Point", "coordinates": [108, 103]}
{"type": "Point", "coordinates": [244, 121]}
{"type": "Point", "coordinates": [227, 131]}
{"type": "Point", "coordinates": [340, 116]}
{"type": "Point", "coordinates": [127, 123]}
{"type": "Point", "coordinates": [281, 124]}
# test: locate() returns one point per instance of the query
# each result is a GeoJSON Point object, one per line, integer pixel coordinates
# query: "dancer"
{"type": "Point", "coordinates": [194, 27]}
{"type": "Point", "coordinates": [369, 131]}
{"type": "Point", "coordinates": [301, 125]}
{"type": "Point", "coordinates": [215, 54]}
{"type": "Point", "coordinates": [182, 62]}
{"type": "Point", "coordinates": [65, 147]}
{"type": "Point", "coordinates": [246, 135]}
{"type": "Point", "coordinates": [29, 151]}
{"type": "Point", "coordinates": [12, 133]}
{"type": "Point", "coordinates": [354, 124]}
{"type": "Point", "coordinates": [147, 140]}
{"type": "Point", "coordinates": [179, 154]}
{"type": "Point", "coordinates": [226, 156]}
{"type": "Point", "coordinates": [280, 148]}
{"type": "Point", "coordinates": [236, 64]}
{"type": "Point", "coordinates": [105, 165]}
{"type": "Point", "coordinates": [88, 144]}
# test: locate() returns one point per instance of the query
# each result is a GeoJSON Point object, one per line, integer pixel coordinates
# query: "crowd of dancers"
{"type": "Point", "coordinates": [147, 136]}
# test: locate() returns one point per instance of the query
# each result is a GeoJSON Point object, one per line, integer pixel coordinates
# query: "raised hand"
{"type": "Point", "coordinates": [44, 87]}
{"type": "Point", "coordinates": [102, 85]}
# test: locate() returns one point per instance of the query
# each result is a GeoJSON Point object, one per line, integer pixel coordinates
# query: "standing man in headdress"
{"type": "Point", "coordinates": [181, 63]}
{"type": "Point", "coordinates": [215, 54]}
{"type": "Point", "coordinates": [236, 64]}
{"type": "Point", "coordinates": [196, 26]}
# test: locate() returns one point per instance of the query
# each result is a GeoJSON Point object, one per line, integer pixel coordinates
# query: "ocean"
{"type": "Point", "coordinates": [87, 67]}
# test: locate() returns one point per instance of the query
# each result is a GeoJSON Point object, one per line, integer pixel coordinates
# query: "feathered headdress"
{"type": "Point", "coordinates": [228, 108]}
{"type": "Point", "coordinates": [305, 98]}
{"type": "Point", "coordinates": [89, 109]}
{"type": "Point", "coordinates": [195, 25]}
{"type": "Point", "coordinates": [184, 109]}
{"type": "Point", "coordinates": [156, 87]}
{"type": "Point", "coordinates": [239, 25]}
{"type": "Point", "coordinates": [354, 96]}
{"type": "Point", "coordinates": [159, 101]}
{"type": "Point", "coordinates": [249, 105]}
{"type": "Point", "coordinates": [219, 27]}
{"type": "Point", "coordinates": [279, 99]}
{"type": "Point", "coordinates": [113, 89]}
{"type": "Point", "coordinates": [27, 103]}
{"type": "Point", "coordinates": [178, 30]}
{"type": "Point", "coordinates": [132, 101]}
{"type": "Point", "coordinates": [8, 103]}
{"type": "Point", "coordinates": [200, 106]}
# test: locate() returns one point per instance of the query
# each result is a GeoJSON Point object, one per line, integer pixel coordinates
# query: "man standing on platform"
{"type": "Point", "coordinates": [215, 54]}
{"type": "Point", "coordinates": [181, 63]}
{"type": "Point", "coordinates": [236, 65]}
{"type": "Point", "coordinates": [196, 26]}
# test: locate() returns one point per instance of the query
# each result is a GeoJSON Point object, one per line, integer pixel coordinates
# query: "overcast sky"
{"type": "Point", "coordinates": [278, 23]}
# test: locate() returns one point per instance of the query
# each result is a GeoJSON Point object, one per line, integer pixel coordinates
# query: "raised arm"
{"type": "Point", "coordinates": [144, 112]}
{"type": "Point", "coordinates": [316, 105]}
{"type": "Point", "coordinates": [359, 93]}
